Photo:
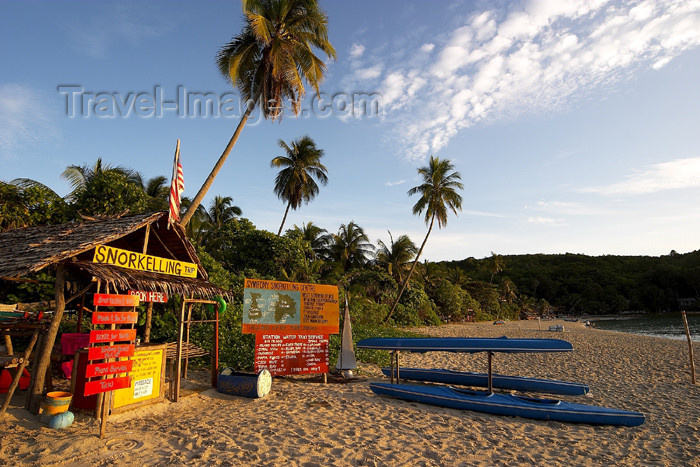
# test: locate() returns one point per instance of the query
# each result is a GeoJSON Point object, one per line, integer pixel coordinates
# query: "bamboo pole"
{"type": "Point", "coordinates": [690, 347]}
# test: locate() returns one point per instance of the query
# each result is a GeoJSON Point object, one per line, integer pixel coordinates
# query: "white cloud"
{"type": "Point", "coordinates": [369, 73]}
{"type": "Point", "coordinates": [400, 182]}
{"type": "Point", "coordinates": [673, 175]}
{"type": "Point", "coordinates": [542, 221]}
{"type": "Point", "coordinates": [23, 119]}
{"type": "Point", "coordinates": [356, 50]}
{"type": "Point", "coordinates": [535, 58]}
{"type": "Point", "coordinates": [427, 48]}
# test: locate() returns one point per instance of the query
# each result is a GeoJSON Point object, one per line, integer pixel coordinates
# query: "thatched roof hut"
{"type": "Point", "coordinates": [28, 250]}
{"type": "Point", "coordinates": [72, 248]}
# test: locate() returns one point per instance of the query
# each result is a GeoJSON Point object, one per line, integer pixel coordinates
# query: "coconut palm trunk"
{"type": "Point", "coordinates": [220, 163]}
{"type": "Point", "coordinates": [284, 219]}
{"type": "Point", "coordinates": [413, 266]}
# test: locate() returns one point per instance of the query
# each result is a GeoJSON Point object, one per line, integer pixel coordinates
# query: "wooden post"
{"type": "Point", "coordinates": [80, 307]}
{"type": "Point", "coordinates": [45, 354]}
{"type": "Point", "coordinates": [149, 317]}
{"type": "Point", "coordinates": [149, 307]}
{"type": "Point", "coordinates": [20, 370]}
{"type": "Point", "coordinates": [107, 398]}
{"type": "Point", "coordinates": [178, 353]}
{"type": "Point", "coordinates": [690, 347]}
{"type": "Point", "coordinates": [8, 345]}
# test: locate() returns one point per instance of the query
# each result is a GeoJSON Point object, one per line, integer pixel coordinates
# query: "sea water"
{"type": "Point", "coordinates": [668, 325]}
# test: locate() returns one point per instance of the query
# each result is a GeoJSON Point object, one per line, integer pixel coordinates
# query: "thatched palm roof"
{"type": "Point", "coordinates": [23, 251]}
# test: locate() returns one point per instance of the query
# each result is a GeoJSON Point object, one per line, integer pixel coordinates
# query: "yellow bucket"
{"type": "Point", "coordinates": [57, 402]}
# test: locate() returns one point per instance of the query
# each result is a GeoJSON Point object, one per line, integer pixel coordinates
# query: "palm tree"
{"type": "Point", "coordinates": [269, 61]}
{"type": "Point", "coordinates": [351, 247]}
{"type": "Point", "coordinates": [80, 175]}
{"type": "Point", "coordinates": [438, 194]}
{"type": "Point", "coordinates": [317, 238]}
{"type": "Point", "coordinates": [295, 182]}
{"type": "Point", "coordinates": [157, 189]}
{"type": "Point", "coordinates": [222, 210]}
{"type": "Point", "coordinates": [509, 291]}
{"type": "Point", "coordinates": [395, 257]}
{"type": "Point", "coordinates": [495, 265]}
{"type": "Point", "coordinates": [199, 226]}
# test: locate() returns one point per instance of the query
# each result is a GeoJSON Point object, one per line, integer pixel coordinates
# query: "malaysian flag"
{"type": "Point", "coordinates": [177, 186]}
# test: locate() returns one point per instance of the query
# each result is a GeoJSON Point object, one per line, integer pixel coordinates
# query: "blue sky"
{"type": "Point", "coordinates": [574, 125]}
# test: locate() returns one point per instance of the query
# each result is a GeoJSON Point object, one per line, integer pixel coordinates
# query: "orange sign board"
{"type": "Point", "coordinates": [104, 385]}
{"type": "Point", "coordinates": [290, 307]}
{"type": "Point", "coordinates": [111, 368]}
{"type": "Point", "coordinates": [110, 351]}
{"type": "Point", "coordinates": [104, 299]}
{"type": "Point", "coordinates": [115, 317]}
{"type": "Point", "coordinates": [115, 335]}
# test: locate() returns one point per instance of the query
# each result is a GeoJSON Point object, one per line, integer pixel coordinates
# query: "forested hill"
{"type": "Point", "coordinates": [596, 284]}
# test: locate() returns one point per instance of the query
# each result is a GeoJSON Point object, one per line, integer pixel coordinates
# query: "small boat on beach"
{"type": "Point", "coordinates": [509, 404]}
{"type": "Point", "coordinates": [518, 383]}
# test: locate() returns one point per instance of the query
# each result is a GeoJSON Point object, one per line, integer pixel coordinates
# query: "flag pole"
{"type": "Point", "coordinates": [174, 198]}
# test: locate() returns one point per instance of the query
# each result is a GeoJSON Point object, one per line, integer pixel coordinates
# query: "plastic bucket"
{"type": "Point", "coordinates": [57, 402]}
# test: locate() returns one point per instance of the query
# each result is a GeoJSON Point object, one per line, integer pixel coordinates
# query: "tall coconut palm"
{"type": "Point", "coordinates": [395, 256]}
{"type": "Point", "coordinates": [80, 175]}
{"type": "Point", "coordinates": [269, 61]}
{"type": "Point", "coordinates": [295, 183]}
{"type": "Point", "coordinates": [351, 246]}
{"type": "Point", "coordinates": [438, 195]}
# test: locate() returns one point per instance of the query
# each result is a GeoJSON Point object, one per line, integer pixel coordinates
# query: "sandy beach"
{"type": "Point", "coordinates": [305, 422]}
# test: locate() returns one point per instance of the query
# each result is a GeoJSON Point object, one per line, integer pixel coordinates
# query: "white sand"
{"type": "Point", "coordinates": [306, 423]}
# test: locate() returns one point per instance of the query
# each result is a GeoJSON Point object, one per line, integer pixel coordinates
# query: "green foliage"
{"type": "Point", "coordinates": [415, 309]}
{"type": "Point", "coordinates": [241, 246]}
{"type": "Point", "coordinates": [110, 193]}
{"type": "Point", "coordinates": [449, 299]}
{"type": "Point", "coordinates": [39, 287]}
{"type": "Point", "coordinates": [576, 283]}
{"type": "Point", "coordinates": [30, 204]}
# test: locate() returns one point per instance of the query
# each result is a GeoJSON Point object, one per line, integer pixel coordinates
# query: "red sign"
{"type": "Point", "coordinates": [115, 335]}
{"type": "Point", "coordinates": [104, 385]}
{"type": "Point", "coordinates": [291, 354]}
{"type": "Point", "coordinates": [156, 297]}
{"type": "Point", "coordinates": [110, 351]}
{"type": "Point", "coordinates": [115, 317]}
{"type": "Point", "coordinates": [111, 368]}
{"type": "Point", "coordinates": [103, 299]}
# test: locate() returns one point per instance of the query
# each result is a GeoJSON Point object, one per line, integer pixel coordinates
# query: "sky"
{"type": "Point", "coordinates": [574, 124]}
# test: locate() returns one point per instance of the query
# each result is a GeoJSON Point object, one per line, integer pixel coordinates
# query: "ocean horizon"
{"type": "Point", "coordinates": [666, 325]}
